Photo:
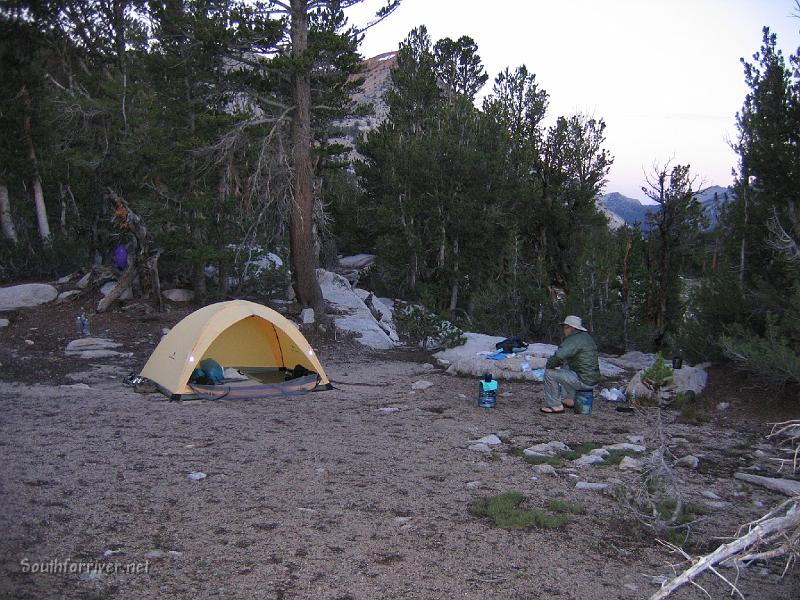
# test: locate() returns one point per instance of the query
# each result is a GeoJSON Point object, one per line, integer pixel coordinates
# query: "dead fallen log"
{"type": "Point", "coordinates": [788, 487]}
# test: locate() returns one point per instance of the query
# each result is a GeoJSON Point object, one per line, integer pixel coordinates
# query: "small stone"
{"type": "Point", "coordinates": [723, 406]}
{"type": "Point", "coordinates": [4, 322]}
{"type": "Point", "coordinates": [421, 385]}
{"type": "Point", "coordinates": [602, 452]}
{"type": "Point", "coordinates": [635, 439]}
{"type": "Point", "coordinates": [758, 504]}
{"type": "Point", "coordinates": [626, 446]}
{"type": "Point", "coordinates": [721, 505]}
{"type": "Point", "coordinates": [480, 448]}
{"type": "Point", "coordinates": [197, 476]}
{"type": "Point", "coordinates": [631, 586]}
{"type": "Point", "coordinates": [401, 520]}
{"type": "Point", "coordinates": [489, 440]}
{"type": "Point", "coordinates": [760, 454]}
{"type": "Point", "coordinates": [155, 555]}
{"type": "Point", "coordinates": [473, 485]}
{"type": "Point", "coordinates": [462, 396]}
{"type": "Point", "coordinates": [307, 316]}
{"type": "Point", "coordinates": [29, 342]}
{"type": "Point", "coordinates": [630, 464]}
{"type": "Point", "coordinates": [679, 440]}
{"type": "Point", "coordinates": [109, 553]}
{"type": "Point", "coordinates": [587, 459]}
{"type": "Point", "coordinates": [178, 295]}
{"type": "Point", "coordinates": [64, 296]}
{"type": "Point", "coordinates": [175, 554]}
{"type": "Point", "coordinates": [545, 469]}
{"type": "Point", "coordinates": [710, 495]}
{"type": "Point", "coordinates": [689, 461]}
{"type": "Point", "coordinates": [559, 446]}
{"type": "Point", "coordinates": [539, 450]}
{"type": "Point", "coordinates": [388, 410]}
{"type": "Point", "coordinates": [585, 485]}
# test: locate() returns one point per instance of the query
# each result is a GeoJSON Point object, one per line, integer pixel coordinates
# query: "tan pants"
{"type": "Point", "coordinates": [560, 384]}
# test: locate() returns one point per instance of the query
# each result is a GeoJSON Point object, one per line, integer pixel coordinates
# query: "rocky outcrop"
{"type": "Point", "coordinates": [353, 314]}
{"type": "Point", "coordinates": [26, 295]}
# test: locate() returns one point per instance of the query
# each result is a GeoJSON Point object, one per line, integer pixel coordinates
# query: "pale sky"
{"type": "Point", "coordinates": [665, 75]}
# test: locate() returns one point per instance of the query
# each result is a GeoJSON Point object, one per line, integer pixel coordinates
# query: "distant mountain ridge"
{"type": "Point", "coordinates": [632, 211]}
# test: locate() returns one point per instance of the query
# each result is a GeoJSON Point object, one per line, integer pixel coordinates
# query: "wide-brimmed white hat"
{"type": "Point", "coordinates": [574, 322]}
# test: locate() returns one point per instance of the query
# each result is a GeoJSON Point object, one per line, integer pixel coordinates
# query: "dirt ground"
{"type": "Point", "coordinates": [327, 496]}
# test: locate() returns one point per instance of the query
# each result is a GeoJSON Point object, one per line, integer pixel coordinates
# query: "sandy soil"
{"type": "Point", "coordinates": [324, 495]}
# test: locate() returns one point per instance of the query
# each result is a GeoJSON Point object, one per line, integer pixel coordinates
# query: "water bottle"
{"type": "Point", "coordinates": [487, 394]}
{"type": "Point", "coordinates": [79, 325]}
{"type": "Point", "coordinates": [84, 325]}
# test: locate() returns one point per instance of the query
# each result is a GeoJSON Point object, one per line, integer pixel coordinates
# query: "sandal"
{"type": "Point", "coordinates": [551, 411]}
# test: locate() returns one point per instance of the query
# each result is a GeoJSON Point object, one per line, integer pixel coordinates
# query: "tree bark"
{"type": "Point", "coordinates": [144, 262]}
{"type": "Point", "coordinates": [9, 232]}
{"type": "Point", "coordinates": [37, 193]}
{"type": "Point", "coordinates": [306, 285]}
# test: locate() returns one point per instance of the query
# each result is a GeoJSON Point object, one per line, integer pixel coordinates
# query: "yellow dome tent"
{"type": "Point", "coordinates": [239, 334]}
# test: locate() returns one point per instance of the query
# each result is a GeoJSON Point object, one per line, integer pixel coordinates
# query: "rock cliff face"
{"type": "Point", "coordinates": [377, 79]}
{"type": "Point", "coordinates": [376, 82]}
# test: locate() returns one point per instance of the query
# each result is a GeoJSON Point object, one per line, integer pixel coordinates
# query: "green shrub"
{"type": "Point", "coordinates": [426, 329]}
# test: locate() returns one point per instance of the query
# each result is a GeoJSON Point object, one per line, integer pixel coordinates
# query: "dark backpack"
{"type": "Point", "coordinates": [511, 344]}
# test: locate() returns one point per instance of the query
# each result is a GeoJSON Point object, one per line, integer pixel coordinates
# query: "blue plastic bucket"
{"type": "Point", "coordinates": [583, 401]}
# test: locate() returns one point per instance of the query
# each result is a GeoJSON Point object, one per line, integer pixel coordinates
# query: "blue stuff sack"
{"type": "Point", "coordinates": [208, 373]}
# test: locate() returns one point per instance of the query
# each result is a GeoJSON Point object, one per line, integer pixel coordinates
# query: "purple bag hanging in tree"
{"type": "Point", "coordinates": [121, 257]}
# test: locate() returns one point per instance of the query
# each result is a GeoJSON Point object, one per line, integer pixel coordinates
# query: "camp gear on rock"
{"type": "Point", "coordinates": [497, 355]}
{"type": "Point", "coordinates": [579, 352]}
{"type": "Point", "coordinates": [511, 345]}
{"type": "Point", "coordinates": [677, 362]}
{"type": "Point", "coordinates": [612, 394]}
{"type": "Point", "coordinates": [238, 334]}
{"type": "Point", "coordinates": [487, 393]}
{"type": "Point", "coordinates": [574, 322]}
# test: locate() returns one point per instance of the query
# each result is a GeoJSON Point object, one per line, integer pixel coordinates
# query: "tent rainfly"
{"type": "Point", "coordinates": [239, 334]}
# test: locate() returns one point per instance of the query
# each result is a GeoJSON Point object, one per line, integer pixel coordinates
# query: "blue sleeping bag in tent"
{"type": "Point", "coordinates": [209, 372]}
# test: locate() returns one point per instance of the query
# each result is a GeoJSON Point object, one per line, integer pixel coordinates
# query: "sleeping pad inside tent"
{"type": "Point", "coordinates": [255, 340]}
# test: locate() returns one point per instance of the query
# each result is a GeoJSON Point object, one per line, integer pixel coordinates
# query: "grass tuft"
{"type": "Point", "coordinates": [562, 506]}
{"type": "Point", "coordinates": [504, 509]}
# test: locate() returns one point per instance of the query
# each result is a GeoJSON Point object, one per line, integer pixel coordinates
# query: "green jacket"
{"type": "Point", "coordinates": [579, 352]}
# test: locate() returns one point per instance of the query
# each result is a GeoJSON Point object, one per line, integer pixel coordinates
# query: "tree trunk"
{"type": "Point", "coordinates": [454, 286]}
{"type": "Point", "coordinates": [144, 262]}
{"type": "Point", "coordinates": [306, 285]}
{"type": "Point", "coordinates": [36, 182]}
{"type": "Point", "coordinates": [742, 249]}
{"type": "Point", "coordinates": [9, 232]}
